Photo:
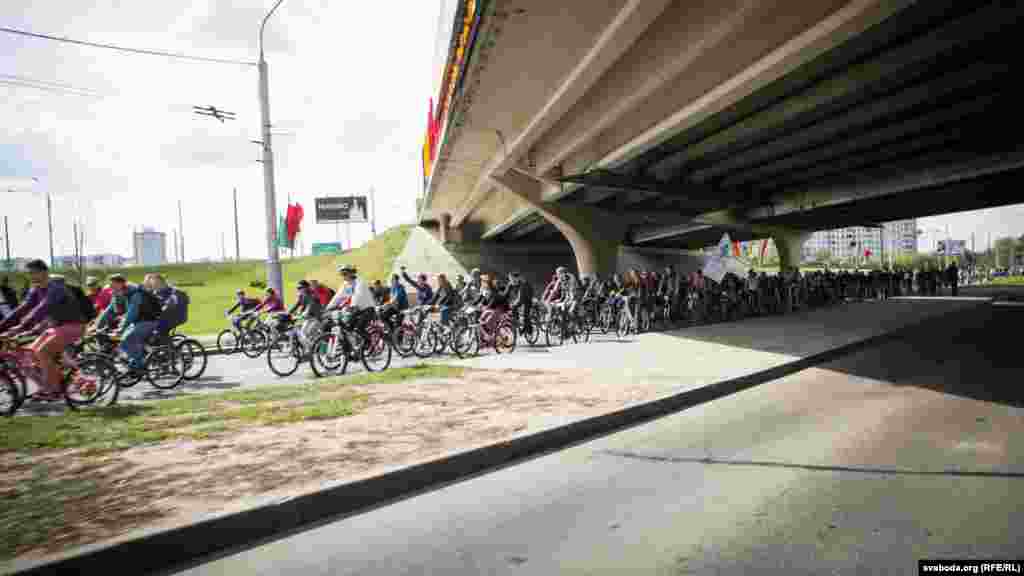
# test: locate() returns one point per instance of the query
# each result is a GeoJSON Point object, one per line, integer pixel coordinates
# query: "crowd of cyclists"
{"type": "Point", "coordinates": [478, 309]}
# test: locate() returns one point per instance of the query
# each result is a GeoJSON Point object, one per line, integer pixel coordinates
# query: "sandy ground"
{"type": "Point", "coordinates": [401, 424]}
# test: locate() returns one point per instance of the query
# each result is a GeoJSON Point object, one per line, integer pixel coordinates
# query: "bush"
{"type": "Point", "coordinates": [257, 284]}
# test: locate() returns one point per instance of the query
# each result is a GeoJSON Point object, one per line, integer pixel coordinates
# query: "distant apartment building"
{"type": "Point", "coordinates": [150, 247]}
{"type": "Point", "coordinates": [899, 237]}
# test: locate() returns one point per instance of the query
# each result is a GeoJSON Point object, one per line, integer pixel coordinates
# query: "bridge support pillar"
{"type": "Point", "coordinates": [595, 235]}
{"type": "Point", "coordinates": [790, 244]}
{"type": "Point", "coordinates": [444, 227]}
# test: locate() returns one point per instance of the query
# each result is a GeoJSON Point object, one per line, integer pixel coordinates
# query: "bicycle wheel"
{"type": "Point", "coordinates": [442, 338]}
{"type": "Point", "coordinates": [328, 357]}
{"type": "Point", "coordinates": [533, 334]}
{"type": "Point", "coordinates": [165, 367]}
{"type": "Point", "coordinates": [466, 341]}
{"type": "Point", "coordinates": [426, 341]}
{"type": "Point", "coordinates": [624, 327]}
{"type": "Point", "coordinates": [403, 338]}
{"type": "Point", "coordinates": [193, 358]}
{"type": "Point", "coordinates": [505, 338]}
{"type": "Point", "coordinates": [253, 343]}
{"type": "Point", "coordinates": [376, 350]}
{"type": "Point", "coordinates": [555, 332]}
{"type": "Point", "coordinates": [285, 355]}
{"type": "Point", "coordinates": [93, 381]}
{"type": "Point", "coordinates": [583, 329]}
{"type": "Point", "coordinates": [10, 394]}
{"type": "Point", "coordinates": [227, 341]}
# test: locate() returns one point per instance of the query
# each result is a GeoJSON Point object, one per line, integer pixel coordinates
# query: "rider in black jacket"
{"type": "Point", "coordinates": [519, 295]}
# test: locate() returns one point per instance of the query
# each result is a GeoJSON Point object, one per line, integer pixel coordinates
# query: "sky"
{"type": "Point", "coordinates": [349, 91]}
{"type": "Point", "coordinates": [349, 88]}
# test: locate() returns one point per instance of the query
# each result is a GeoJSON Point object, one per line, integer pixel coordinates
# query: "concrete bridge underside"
{"type": "Point", "coordinates": [662, 124]}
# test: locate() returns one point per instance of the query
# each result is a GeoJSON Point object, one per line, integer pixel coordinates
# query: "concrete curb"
{"type": "Point", "coordinates": [179, 548]}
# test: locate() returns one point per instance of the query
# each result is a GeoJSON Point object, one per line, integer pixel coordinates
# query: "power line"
{"type": "Point", "coordinates": [177, 55]}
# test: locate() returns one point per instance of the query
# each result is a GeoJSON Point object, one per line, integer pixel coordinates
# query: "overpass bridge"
{"type": "Point", "coordinates": [661, 124]}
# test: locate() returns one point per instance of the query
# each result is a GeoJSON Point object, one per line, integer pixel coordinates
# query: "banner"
{"type": "Point", "coordinates": [341, 209]}
{"type": "Point", "coordinates": [724, 245]}
{"type": "Point", "coordinates": [282, 233]}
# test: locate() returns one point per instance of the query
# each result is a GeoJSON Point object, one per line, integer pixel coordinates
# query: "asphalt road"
{"type": "Point", "coordinates": [863, 465]}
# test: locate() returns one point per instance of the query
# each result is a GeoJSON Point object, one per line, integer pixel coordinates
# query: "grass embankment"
{"type": "Point", "coordinates": [1007, 281]}
{"type": "Point", "coordinates": [200, 416]}
{"type": "Point", "coordinates": [211, 286]}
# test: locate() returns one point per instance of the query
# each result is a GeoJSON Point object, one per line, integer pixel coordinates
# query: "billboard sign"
{"type": "Point", "coordinates": [341, 209]}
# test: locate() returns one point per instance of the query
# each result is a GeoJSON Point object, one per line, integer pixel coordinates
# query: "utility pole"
{"type": "Point", "coordinates": [274, 275]}
{"type": "Point", "coordinates": [238, 250]}
{"type": "Point", "coordinates": [181, 234]}
{"type": "Point", "coordinates": [7, 241]}
{"type": "Point", "coordinates": [174, 232]}
{"type": "Point", "coordinates": [373, 214]}
{"type": "Point", "coordinates": [49, 220]}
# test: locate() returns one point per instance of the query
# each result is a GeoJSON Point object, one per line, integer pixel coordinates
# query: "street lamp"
{"type": "Point", "coordinates": [274, 275]}
{"type": "Point", "coordinates": [49, 215]}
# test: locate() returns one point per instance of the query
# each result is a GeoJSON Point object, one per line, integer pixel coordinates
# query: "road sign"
{"type": "Point", "coordinates": [327, 248]}
{"type": "Point", "coordinates": [341, 209]}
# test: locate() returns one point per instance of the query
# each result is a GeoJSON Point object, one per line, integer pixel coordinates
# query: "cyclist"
{"type": "Point", "coordinates": [424, 293]}
{"type": "Point", "coordinates": [309, 307]}
{"type": "Point", "coordinates": [142, 310]}
{"type": "Point", "coordinates": [473, 287]}
{"type": "Point", "coordinates": [357, 299]}
{"type": "Point", "coordinates": [492, 302]}
{"type": "Point", "coordinates": [99, 295]}
{"type": "Point", "coordinates": [271, 303]}
{"type": "Point", "coordinates": [380, 293]}
{"type": "Point", "coordinates": [323, 293]}
{"type": "Point", "coordinates": [173, 305]}
{"type": "Point", "coordinates": [51, 310]}
{"type": "Point", "coordinates": [568, 291]}
{"type": "Point", "coordinates": [460, 284]}
{"type": "Point", "coordinates": [246, 305]}
{"type": "Point", "coordinates": [398, 295]}
{"type": "Point", "coordinates": [519, 295]}
{"type": "Point", "coordinates": [445, 298]}
{"type": "Point", "coordinates": [8, 299]}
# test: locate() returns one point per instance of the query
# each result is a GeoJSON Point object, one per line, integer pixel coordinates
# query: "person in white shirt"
{"type": "Point", "coordinates": [357, 299]}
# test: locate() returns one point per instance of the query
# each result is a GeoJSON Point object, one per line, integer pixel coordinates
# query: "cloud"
{"type": "Point", "coordinates": [349, 82]}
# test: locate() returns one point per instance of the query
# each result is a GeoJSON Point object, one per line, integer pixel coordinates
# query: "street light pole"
{"type": "Point", "coordinates": [49, 220]}
{"type": "Point", "coordinates": [238, 250]}
{"type": "Point", "coordinates": [274, 275]}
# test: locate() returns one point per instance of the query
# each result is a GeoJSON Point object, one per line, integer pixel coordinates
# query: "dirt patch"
{"type": "Point", "coordinates": [175, 482]}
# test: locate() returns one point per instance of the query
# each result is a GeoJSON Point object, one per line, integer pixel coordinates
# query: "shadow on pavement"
{"type": "Point", "coordinates": [972, 354]}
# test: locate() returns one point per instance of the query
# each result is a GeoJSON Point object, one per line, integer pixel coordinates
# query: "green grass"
{"type": "Point", "coordinates": [1008, 281]}
{"type": "Point", "coordinates": [200, 416]}
{"type": "Point", "coordinates": [211, 286]}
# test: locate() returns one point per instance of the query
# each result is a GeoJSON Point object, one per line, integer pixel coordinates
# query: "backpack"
{"type": "Point", "coordinates": [149, 308]}
{"type": "Point", "coordinates": [183, 302]}
{"type": "Point", "coordinates": [85, 307]}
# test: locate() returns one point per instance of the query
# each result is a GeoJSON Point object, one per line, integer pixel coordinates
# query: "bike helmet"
{"type": "Point", "coordinates": [346, 268]}
{"type": "Point", "coordinates": [302, 285]}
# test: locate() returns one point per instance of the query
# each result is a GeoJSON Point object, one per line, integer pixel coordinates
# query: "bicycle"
{"type": "Point", "coordinates": [247, 338]}
{"type": "Point", "coordinates": [84, 380]}
{"type": "Point", "coordinates": [533, 334]}
{"type": "Point", "coordinates": [562, 325]}
{"type": "Point", "coordinates": [468, 338]}
{"type": "Point", "coordinates": [340, 344]}
{"type": "Point", "coordinates": [433, 336]}
{"type": "Point", "coordinates": [288, 350]}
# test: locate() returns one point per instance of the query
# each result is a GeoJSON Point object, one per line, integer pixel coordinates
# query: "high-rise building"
{"type": "Point", "coordinates": [150, 247]}
{"type": "Point", "coordinates": [900, 237]}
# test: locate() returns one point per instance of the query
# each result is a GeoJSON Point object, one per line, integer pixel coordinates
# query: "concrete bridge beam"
{"type": "Point", "coordinates": [594, 235]}
{"type": "Point", "coordinates": [790, 244]}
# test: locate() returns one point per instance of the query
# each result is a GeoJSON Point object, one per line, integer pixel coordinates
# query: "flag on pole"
{"type": "Point", "coordinates": [764, 247]}
{"type": "Point", "coordinates": [736, 248]}
{"type": "Point", "coordinates": [723, 245]}
{"type": "Point", "coordinates": [282, 233]}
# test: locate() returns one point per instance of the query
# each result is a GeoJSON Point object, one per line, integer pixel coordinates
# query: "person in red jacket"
{"type": "Point", "coordinates": [323, 293]}
{"type": "Point", "coordinates": [99, 295]}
